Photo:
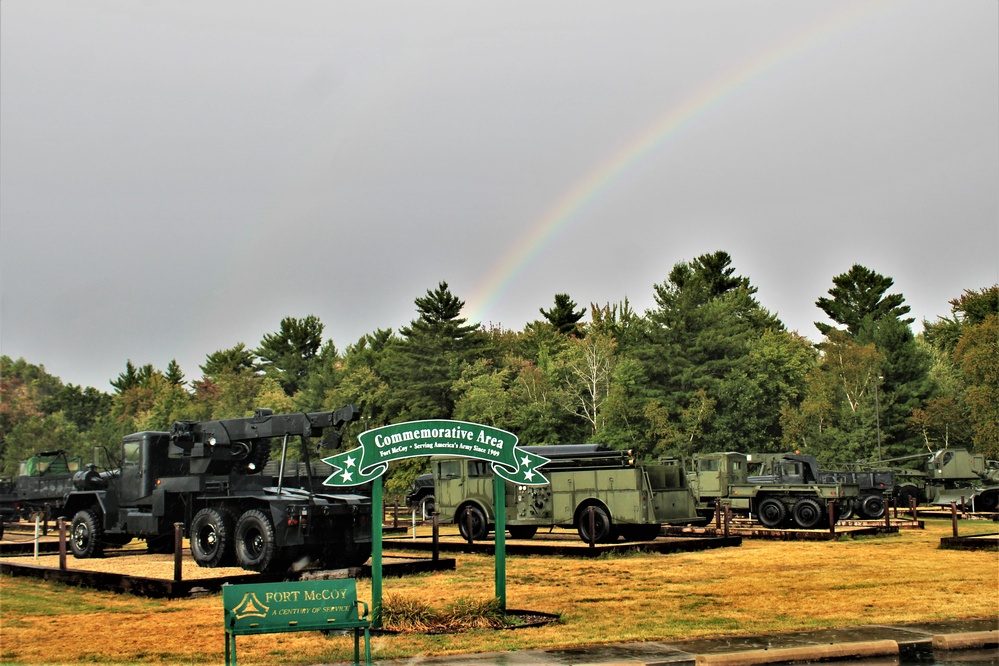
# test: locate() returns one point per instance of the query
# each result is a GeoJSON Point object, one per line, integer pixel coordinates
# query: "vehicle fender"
{"type": "Point", "coordinates": [84, 500]}
{"type": "Point", "coordinates": [590, 501]}
{"type": "Point", "coordinates": [484, 506]}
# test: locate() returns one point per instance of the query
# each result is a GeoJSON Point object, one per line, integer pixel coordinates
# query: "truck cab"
{"type": "Point", "coordinates": [712, 473]}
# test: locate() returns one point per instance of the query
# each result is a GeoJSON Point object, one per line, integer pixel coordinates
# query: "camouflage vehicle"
{"type": "Point", "coordinates": [628, 500]}
{"type": "Point", "coordinates": [213, 477]}
{"type": "Point", "coordinates": [776, 502]}
{"type": "Point", "coordinates": [797, 468]}
{"type": "Point", "coordinates": [948, 475]}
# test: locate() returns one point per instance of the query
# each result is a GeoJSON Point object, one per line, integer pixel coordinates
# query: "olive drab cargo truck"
{"type": "Point", "coordinates": [628, 500]}
{"type": "Point", "coordinates": [796, 468]}
{"type": "Point", "coordinates": [42, 483]}
{"type": "Point", "coordinates": [236, 506]}
{"type": "Point", "coordinates": [724, 477]}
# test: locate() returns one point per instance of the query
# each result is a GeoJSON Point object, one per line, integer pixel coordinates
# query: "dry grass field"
{"type": "Point", "coordinates": [760, 587]}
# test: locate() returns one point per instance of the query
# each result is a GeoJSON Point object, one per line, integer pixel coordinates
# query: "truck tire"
{"type": "Point", "coordinates": [603, 528]}
{"type": "Point", "coordinates": [86, 534]}
{"type": "Point", "coordinates": [807, 513]}
{"type": "Point", "coordinates": [522, 531]}
{"type": "Point", "coordinates": [872, 507]}
{"type": "Point", "coordinates": [905, 496]}
{"type": "Point", "coordinates": [256, 549]}
{"type": "Point", "coordinates": [771, 512]}
{"type": "Point", "coordinates": [471, 523]}
{"type": "Point", "coordinates": [428, 507]}
{"type": "Point", "coordinates": [844, 510]}
{"type": "Point", "coordinates": [987, 501]}
{"type": "Point", "coordinates": [211, 538]}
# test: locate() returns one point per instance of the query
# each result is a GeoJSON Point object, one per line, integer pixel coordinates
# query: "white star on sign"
{"type": "Point", "coordinates": [529, 475]}
{"type": "Point", "coordinates": [347, 476]}
{"type": "Point", "coordinates": [349, 462]}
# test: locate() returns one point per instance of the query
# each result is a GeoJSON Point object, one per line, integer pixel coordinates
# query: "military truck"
{"type": "Point", "coordinates": [774, 502]}
{"type": "Point", "coordinates": [421, 494]}
{"type": "Point", "coordinates": [628, 500]}
{"type": "Point", "coordinates": [872, 486]}
{"type": "Point", "coordinates": [213, 478]}
{"type": "Point", "coordinates": [42, 483]}
{"type": "Point", "coordinates": [947, 475]}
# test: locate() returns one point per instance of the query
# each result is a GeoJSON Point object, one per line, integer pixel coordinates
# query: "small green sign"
{"type": "Point", "coordinates": [435, 438]}
{"type": "Point", "coordinates": [295, 606]}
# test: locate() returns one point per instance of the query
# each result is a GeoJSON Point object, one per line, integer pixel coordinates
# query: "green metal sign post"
{"type": "Point", "coordinates": [414, 439]}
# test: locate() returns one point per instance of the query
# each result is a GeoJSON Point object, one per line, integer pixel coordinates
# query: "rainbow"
{"type": "Point", "coordinates": [676, 119]}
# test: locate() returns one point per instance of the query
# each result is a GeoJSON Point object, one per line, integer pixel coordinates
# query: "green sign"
{"type": "Point", "coordinates": [297, 606]}
{"type": "Point", "coordinates": [435, 438]}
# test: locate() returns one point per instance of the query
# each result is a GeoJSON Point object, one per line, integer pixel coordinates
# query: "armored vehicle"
{"type": "Point", "coordinates": [628, 500]}
{"type": "Point", "coordinates": [775, 502]}
{"type": "Point", "coordinates": [948, 475]}
{"type": "Point", "coordinates": [213, 477]}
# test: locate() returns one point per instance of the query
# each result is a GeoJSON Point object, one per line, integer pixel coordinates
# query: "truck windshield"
{"type": "Point", "coordinates": [478, 468]}
{"type": "Point", "coordinates": [708, 465]}
{"type": "Point", "coordinates": [130, 451]}
{"type": "Point", "coordinates": [450, 469]}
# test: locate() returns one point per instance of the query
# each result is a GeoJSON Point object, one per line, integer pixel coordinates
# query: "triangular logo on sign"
{"type": "Point", "coordinates": [250, 606]}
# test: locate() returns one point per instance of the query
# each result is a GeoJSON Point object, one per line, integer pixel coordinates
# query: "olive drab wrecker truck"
{"type": "Point", "coordinates": [629, 500]}
{"type": "Point", "coordinates": [214, 478]}
{"type": "Point", "coordinates": [775, 502]}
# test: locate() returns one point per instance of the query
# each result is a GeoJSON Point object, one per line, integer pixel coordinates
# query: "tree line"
{"type": "Point", "coordinates": [706, 369]}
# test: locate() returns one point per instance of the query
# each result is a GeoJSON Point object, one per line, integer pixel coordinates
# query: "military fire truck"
{"type": "Point", "coordinates": [213, 478]}
{"type": "Point", "coordinates": [628, 500]}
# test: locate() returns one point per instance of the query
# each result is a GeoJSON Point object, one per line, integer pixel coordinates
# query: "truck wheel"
{"type": "Point", "coordinates": [211, 538]}
{"type": "Point", "coordinates": [987, 501]}
{"type": "Point", "coordinates": [256, 549]}
{"type": "Point", "coordinates": [873, 507]}
{"type": "Point", "coordinates": [807, 513]}
{"type": "Point", "coordinates": [603, 528]}
{"type": "Point", "coordinates": [905, 496]}
{"type": "Point", "coordinates": [428, 506]}
{"type": "Point", "coordinates": [522, 531]}
{"type": "Point", "coordinates": [844, 510]}
{"type": "Point", "coordinates": [771, 512]}
{"type": "Point", "coordinates": [478, 529]}
{"type": "Point", "coordinates": [86, 535]}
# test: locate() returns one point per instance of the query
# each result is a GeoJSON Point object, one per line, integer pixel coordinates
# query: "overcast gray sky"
{"type": "Point", "coordinates": [178, 176]}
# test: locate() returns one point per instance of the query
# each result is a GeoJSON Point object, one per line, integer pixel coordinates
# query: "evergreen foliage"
{"type": "Point", "coordinates": [563, 315]}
